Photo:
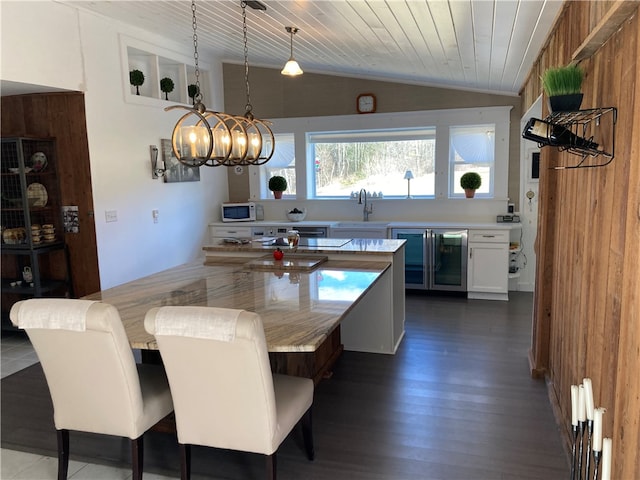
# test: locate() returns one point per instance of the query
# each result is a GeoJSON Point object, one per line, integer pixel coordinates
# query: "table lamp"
{"type": "Point", "coordinates": [408, 175]}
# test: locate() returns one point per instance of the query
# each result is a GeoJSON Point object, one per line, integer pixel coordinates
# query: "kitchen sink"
{"type": "Point", "coordinates": [359, 230]}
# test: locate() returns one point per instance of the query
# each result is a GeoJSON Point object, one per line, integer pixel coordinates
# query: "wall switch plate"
{"type": "Point", "coordinates": [111, 215]}
{"type": "Point", "coordinates": [155, 214]}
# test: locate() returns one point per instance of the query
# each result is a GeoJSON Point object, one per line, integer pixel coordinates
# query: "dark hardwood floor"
{"type": "Point", "coordinates": [455, 402]}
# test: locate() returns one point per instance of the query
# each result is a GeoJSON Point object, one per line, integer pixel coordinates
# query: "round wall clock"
{"type": "Point", "coordinates": [366, 103]}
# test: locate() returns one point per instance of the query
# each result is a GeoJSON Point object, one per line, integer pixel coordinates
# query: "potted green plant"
{"type": "Point", "coordinates": [166, 86]}
{"type": "Point", "coordinates": [136, 78]}
{"type": "Point", "coordinates": [193, 90]}
{"type": "Point", "coordinates": [277, 185]}
{"type": "Point", "coordinates": [563, 86]}
{"type": "Point", "coordinates": [470, 182]}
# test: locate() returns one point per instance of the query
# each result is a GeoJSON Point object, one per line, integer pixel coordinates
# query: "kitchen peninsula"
{"type": "Point", "coordinates": [309, 314]}
{"type": "Point", "coordinates": [375, 325]}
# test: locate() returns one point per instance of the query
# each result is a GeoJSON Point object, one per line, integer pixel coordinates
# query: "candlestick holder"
{"type": "Point", "coordinates": [596, 463]}
{"type": "Point", "coordinates": [574, 457]}
{"type": "Point", "coordinates": [589, 434]}
{"type": "Point", "coordinates": [581, 425]}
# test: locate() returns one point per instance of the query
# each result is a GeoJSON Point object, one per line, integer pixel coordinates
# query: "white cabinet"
{"type": "Point", "coordinates": [488, 266]}
{"type": "Point", "coordinates": [216, 234]}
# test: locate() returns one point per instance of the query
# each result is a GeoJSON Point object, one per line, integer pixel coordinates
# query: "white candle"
{"type": "Point", "coordinates": [574, 405]}
{"type": "Point", "coordinates": [582, 412]}
{"type": "Point", "coordinates": [597, 428]}
{"type": "Point", "coordinates": [606, 459]}
{"type": "Point", "coordinates": [193, 141]}
{"type": "Point", "coordinates": [588, 397]}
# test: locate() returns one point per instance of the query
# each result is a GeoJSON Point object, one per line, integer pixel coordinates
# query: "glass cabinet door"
{"type": "Point", "coordinates": [414, 257]}
{"type": "Point", "coordinates": [449, 260]}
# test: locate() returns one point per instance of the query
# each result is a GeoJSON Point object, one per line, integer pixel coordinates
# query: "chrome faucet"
{"type": "Point", "coordinates": [368, 209]}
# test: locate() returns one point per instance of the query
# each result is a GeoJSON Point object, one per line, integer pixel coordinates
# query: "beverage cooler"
{"type": "Point", "coordinates": [435, 259]}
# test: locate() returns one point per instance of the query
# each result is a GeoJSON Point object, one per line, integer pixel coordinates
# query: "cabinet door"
{"type": "Point", "coordinates": [415, 262]}
{"type": "Point", "coordinates": [488, 268]}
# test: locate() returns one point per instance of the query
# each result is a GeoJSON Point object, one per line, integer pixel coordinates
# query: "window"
{"type": "Point", "coordinates": [282, 163]}
{"type": "Point", "coordinates": [472, 148]}
{"type": "Point", "coordinates": [338, 155]}
{"type": "Point", "coordinates": [376, 160]}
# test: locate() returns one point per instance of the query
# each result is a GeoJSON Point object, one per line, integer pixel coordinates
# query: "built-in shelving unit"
{"type": "Point", "coordinates": [514, 254]}
{"type": "Point", "coordinates": [157, 64]}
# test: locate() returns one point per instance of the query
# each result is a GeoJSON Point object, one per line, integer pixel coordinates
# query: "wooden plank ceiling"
{"type": "Point", "coordinates": [484, 45]}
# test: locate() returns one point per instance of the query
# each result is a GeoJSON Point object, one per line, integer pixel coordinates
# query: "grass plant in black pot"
{"type": "Point", "coordinates": [470, 182]}
{"type": "Point", "coordinates": [277, 185]}
{"type": "Point", "coordinates": [563, 86]}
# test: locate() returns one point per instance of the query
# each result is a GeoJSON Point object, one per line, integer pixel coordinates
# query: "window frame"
{"type": "Point", "coordinates": [440, 119]}
{"type": "Point", "coordinates": [367, 136]}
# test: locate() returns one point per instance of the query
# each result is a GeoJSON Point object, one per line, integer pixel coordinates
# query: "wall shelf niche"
{"type": "Point", "coordinates": [156, 64]}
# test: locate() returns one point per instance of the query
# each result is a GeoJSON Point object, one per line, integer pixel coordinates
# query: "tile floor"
{"type": "Point", "coordinates": [16, 354]}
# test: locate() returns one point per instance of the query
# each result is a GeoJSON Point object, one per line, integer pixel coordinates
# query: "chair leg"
{"type": "Point", "coordinates": [63, 454]}
{"type": "Point", "coordinates": [271, 466]}
{"type": "Point", "coordinates": [137, 457]}
{"type": "Point", "coordinates": [185, 461]}
{"type": "Point", "coordinates": [307, 433]}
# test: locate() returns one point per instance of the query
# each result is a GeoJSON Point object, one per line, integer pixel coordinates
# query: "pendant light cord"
{"type": "Point", "coordinates": [197, 98]}
{"type": "Point", "coordinates": [291, 32]}
{"type": "Point", "coordinates": [248, 107]}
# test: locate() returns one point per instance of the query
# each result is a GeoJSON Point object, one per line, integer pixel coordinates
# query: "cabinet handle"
{"type": "Point", "coordinates": [471, 253]}
{"type": "Point", "coordinates": [488, 236]}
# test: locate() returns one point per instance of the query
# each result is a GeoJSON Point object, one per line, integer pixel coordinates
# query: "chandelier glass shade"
{"type": "Point", "coordinates": [213, 139]}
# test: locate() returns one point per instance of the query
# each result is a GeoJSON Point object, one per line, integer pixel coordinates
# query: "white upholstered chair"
{"type": "Point", "coordinates": [224, 392]}
{"type": "Point", "coordinates": [93, 378]}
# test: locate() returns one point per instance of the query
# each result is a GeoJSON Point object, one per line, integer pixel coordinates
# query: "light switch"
{"type": "Point", "coordinates": [111, 215]}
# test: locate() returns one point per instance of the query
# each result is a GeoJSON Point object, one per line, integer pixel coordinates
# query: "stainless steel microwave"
{"type": "Point", "coordinates": [239, 212]}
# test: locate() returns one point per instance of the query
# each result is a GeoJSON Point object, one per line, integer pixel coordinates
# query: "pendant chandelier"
{"type": "Point", "coordinates": [203, 137]}
{"type": "Point", "coordinates": [291, 68]}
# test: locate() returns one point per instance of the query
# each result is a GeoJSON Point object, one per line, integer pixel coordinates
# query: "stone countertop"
{"type": "Point", "coordinates": [390, 224]}
{"type": "Point", "coordinates": [365, 246]}
{"type": "Point", "coordinates": [299, 309]}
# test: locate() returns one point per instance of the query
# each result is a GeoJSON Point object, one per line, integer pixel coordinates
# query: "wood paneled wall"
{"type": "Point", "coordinates": [587, 300]}
{"type": "Point", "coordinates": [62, 116]}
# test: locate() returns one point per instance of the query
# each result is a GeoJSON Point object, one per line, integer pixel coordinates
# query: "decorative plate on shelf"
{"type": "Point", "coordinates": [37, 195]}
{"type": "Point", "coordinates": [38, 161]}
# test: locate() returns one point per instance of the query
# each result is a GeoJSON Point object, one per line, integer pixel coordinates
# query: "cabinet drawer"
{"type": "Point", "coordinates": [489, 236]}
{"type": "Point", "coordinates": [234, 232]}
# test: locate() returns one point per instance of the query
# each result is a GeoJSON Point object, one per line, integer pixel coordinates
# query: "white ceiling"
{"type": "Point", "coordinates": [484, 45]}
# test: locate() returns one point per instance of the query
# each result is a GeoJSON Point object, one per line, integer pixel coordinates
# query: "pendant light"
{"type": "Point", "coordinates": [291, 68]}
{"type": "Point", "coordinates": [203, 137]}
{"type": "Point", "coordinates": [253, 140]}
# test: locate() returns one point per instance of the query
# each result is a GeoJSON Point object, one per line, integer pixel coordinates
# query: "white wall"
{"type": "Point", "coordinates": [528, 208]}
{"type": "Point", "coordinates": [81, 51]}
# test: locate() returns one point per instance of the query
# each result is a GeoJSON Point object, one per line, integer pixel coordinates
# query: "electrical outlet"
{"type": "Point", "coordinates": [111, 215]}
{"type": "Point", "coordinates": [155, 214]}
